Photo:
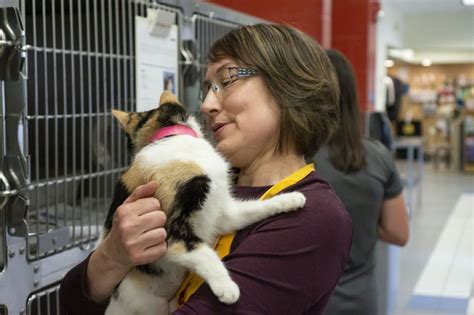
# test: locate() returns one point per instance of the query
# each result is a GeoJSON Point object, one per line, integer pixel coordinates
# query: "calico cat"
{"type": "Point", "coordinates": [194, 192]}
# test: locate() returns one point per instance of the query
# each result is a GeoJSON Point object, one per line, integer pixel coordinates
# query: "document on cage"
{"type": "Point", "coordinates": [156, 63]}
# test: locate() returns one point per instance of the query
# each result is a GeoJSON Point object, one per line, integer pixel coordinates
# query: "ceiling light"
{"type": "Point", "coordinates": [426, 62]}
{"type": "Point", "coordinates": [403, 54]}
{"type": "Point", "coordinates": [467, 2]}
{"type": "Point", "coordinates": [389, 63]}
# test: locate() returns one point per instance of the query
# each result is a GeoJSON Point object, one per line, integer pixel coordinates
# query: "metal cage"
{"type": "Point", "coordinates": [44, 302]}
{"type": "Point", "coordinates": [80, 66]}
{"type": "Point", "coordinates": [67, 64]}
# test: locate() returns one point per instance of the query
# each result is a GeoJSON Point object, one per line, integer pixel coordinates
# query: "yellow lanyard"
{"type": "Point", "coordinates": [193, 281]}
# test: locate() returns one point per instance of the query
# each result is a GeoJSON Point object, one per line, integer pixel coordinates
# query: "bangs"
{"type": "Point", "coordinates": [232, 46]}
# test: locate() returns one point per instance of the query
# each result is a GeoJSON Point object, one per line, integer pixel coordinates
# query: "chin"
{"type": "Point", "coordinates": [222, 147]}
{"type": "Point", "coordinates": [235, 160]}
{"type": "Point", "coordinates": [228, 154]}
{"type": "Point", "coordinates": [231, 153]}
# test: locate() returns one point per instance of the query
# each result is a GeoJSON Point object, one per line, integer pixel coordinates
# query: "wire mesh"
{"type": "Point", "coordinates": [206, 31]}
{"type": "Point", "coordinates": [80, 66]}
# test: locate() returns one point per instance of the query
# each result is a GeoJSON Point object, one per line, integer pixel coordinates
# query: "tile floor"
{"type": "Point", "coordinates": [437, 265]}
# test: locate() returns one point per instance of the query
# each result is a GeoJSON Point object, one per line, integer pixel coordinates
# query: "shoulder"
{"type": "Point", "coordinates": [324, 210]}
{"type": "Point", "coordinates": [377, 152]}
{"type": "Point", "coordinates": [374, 146]}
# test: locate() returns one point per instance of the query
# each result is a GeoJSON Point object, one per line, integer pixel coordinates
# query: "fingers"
{"type": "Point", "coordinates": [153, 238]}
{"type": "Point", "coordinates": [138, 235]}
{"type": "Point", "coordinates": [152, 220]}
{"type": "Point", "coordinates": [148, 247]}
{"type": "Point", "coordinates": [143, 191]}
{"type": "Point", "coordinates": [137, 226]}
{"type": "Point", "coordinates": [154, 253]}
{"type": "Point", "coordinates": [137, 208]}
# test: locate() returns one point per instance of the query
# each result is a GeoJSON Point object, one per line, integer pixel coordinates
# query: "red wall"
{"type": "Point", "coordinates": [353, 33]}
{"type": "Point", "coordinates": [307, 15]}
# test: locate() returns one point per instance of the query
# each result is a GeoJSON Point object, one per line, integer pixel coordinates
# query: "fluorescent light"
{"type": "Point", "coordinates": [426, 62]}
{"type": "Point", "coordinates": [403, 54]}
{"type": "Point", "coordinates": [467, 2]}
{"type": "Point", "coordinates": [389, 63]}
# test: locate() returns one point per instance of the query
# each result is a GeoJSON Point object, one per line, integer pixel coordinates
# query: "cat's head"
{"type": "Point", "coordinates": [143, 127]}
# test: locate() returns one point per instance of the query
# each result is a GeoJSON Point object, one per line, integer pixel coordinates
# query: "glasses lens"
{"type": "Point", "coordinates": [223, 79]}
{"type": "Point", "coordinates": [227, 76]}
{"type": "Point", "coordinates": [204, 90]}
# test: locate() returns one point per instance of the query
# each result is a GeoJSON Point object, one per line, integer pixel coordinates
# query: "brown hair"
{"type": "Point", "coordinates": [298, 74]}
{"type": "Point", "coordinates": [346, 150]}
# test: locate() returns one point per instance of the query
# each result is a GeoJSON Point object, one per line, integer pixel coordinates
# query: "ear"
{"type": "Point", "coordinates": [168, 97]}
{"type": "Point", "coordinates": [122, 117]}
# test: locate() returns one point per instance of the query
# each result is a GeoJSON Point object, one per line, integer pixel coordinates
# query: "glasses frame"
{"type": "Point", "coordinates": [235, 74]}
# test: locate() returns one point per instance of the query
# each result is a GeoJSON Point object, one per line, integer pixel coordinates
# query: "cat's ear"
{"type": "Point", "coordinates": [122, 117]}
{"type": "Point", "coordinates": [168, 97]}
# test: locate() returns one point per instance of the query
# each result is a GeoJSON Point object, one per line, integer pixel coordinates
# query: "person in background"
{"type": "Point", "coordinates": [270, 101]}
{"type": "Point", "coordinates": [364, 176]}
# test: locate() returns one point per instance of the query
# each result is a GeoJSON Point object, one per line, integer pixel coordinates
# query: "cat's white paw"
{"type": "Point", "coordinates": [226, 291]}
{"type": "Point", "coordinates": [290, 201]}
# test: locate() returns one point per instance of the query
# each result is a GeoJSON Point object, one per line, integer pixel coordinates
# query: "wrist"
{"type": "Point", "coordinates": [108, 262]}
{"type": "Point", "coordinates": [103, 275]}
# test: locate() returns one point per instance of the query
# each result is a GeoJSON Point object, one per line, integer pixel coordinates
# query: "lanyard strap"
{"type": "Point", "coordinates": [193, 281]}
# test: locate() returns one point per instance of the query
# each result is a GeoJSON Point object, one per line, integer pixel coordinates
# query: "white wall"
{"type": "Point", "coordinates": [445, 30]}
{"type": "Point", "coordinates": [439, 56]}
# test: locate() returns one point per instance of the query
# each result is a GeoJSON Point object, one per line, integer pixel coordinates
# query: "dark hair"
{"type": "Point", "coordinates": [346, 149]}
{"type": "Point", "coordinates": [297, 73]}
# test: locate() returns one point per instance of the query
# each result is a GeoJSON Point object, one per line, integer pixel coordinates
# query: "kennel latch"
{"type": "Point", "coordinates": [12, 48]}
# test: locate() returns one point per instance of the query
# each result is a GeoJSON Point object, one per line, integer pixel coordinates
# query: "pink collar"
{"type": "Point", "coordinates": [172, 131]}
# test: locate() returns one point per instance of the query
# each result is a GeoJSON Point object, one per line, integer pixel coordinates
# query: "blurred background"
{"type": "Point", "coordinates": [65, 63]}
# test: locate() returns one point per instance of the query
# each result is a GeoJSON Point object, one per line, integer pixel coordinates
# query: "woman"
{"type": "Point", "coordinates": [270, 100]}
{"type": "Point", "coordinates": [364, 176]}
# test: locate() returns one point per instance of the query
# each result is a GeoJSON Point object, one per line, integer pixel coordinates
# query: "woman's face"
{"type": "Point", "coordinates": [243, 116]}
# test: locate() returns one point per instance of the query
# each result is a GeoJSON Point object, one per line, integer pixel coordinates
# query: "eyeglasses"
{"type": "Point", "coordinates": [223, 79]}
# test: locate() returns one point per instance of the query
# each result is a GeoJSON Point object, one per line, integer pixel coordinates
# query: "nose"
{"type": "Point", "coordinates": [211, 105]}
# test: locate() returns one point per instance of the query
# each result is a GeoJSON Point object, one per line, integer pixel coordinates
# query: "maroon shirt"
{"type": "Point", "coordinates": [286, 264]}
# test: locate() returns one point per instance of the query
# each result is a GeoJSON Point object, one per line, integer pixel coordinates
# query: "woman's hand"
{"type": "Point", "coordinates": [137, 237]}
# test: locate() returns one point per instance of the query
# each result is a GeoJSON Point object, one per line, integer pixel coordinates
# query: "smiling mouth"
{"type": "Point", "coordinates": [217, 127]}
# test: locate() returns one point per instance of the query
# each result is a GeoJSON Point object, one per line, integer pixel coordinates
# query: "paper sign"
{"type": "Point", "coordinates": [156, 64]}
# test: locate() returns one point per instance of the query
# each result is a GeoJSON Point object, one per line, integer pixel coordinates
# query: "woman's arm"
{"type": "Point", "coordinates": [136, 237]}
{"type": "Point", "coordinates": [393, 221]}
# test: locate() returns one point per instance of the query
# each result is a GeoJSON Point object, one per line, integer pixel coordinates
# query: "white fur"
{"type": "Point", "coordinates": [220, 214]}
